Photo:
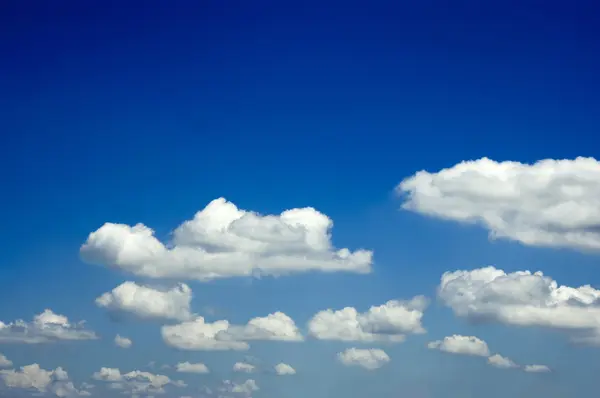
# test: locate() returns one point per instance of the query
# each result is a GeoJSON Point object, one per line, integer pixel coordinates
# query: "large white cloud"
{"type": "Point", "coordinates": [223, 241]}
{"type": "Point", "coordinates": [148, 302]}
{"type": "Point", "coordinates": [387, 322]}
{"type": "Point", "coordinates": [45, 327]}
{"type": "Point", "coordinates": [464, 345]}
{"type": "Point", "coordinates": [523, 299]}
{"type": "Point", "coordinates": [221, 335]}
{"type": "Point", "coordinates": [549, 203]}
{"type": "Point", "coordinates": [136, 381]}
{"type": "Point", "coordinates": [34, 378]}
{"type": "Point", "coordinates": [370, 359]}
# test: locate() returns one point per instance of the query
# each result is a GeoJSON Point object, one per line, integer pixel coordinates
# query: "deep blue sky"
{"type": "Point", "coordinates": [144, 111]}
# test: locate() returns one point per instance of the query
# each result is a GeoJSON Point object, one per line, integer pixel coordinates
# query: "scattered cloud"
{"type": "Point", "coordinates": [243, 367]}
{"type": "Point", "coordinates": [5, 362]}
{"type": "Point", "coordinates": [34, 378]}
{"type": "Point", "coordinates": [136, 382]}
{"type": "Point", "coordinates": [536, 369]}
{"type": "Point", "coordinates": [554, 203]}
{"type": "Point", "coordinates": [186, 367]}
{"type": "Point", "coordinates": [501, 362]}
{"type": "Point", "coordinates": [388, 322]}
{"type": "Point", "coordinates": [245, 388]}
{"type": "Point", "coordinates": [371, 359]}
{"type": "Point", "coordinates": [463, 345]}
{"type": "Point", "coordinates": [221, 335]}
{"type": "Point", "coordinates": [523, 298]}
{"type": "Point", "coordinates": [283, 369]}
{"type": "Point", "coordinates": [149, 303]}
{"type": "Point", "coordinates": [123, 342]}
{"type": "Point", "coordinates": [45, 328]}
{"type": "Point", "coordinates": [223, 241]}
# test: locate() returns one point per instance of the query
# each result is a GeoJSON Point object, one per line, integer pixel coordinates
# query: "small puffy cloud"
{"type": "Point", "coordinates": [46, 327]}
{"type": "Point", "coordinates": [552, 203]}
{"type": "Point", "coordinates": [135, 382]}
{"type": "Point", "coordinates": [370, 359]}
{"type": "Point", "coordinates": [34, 378]}
{"type": "Point", "coordinates": [186, 367]}
{"type": "Point", "coordinates": [243, 367]}
{"type": "Point", "coordinates": [245, 388]}
{"type": "Point", "coordinates": [501, 362]}
{"type": "Point", "coordinates": [536, 369]}
{"type": "Point", "coordinates": [221, 335]}
{"type": "Point", "coordinates": [283, 369]}
{"type": "Point", "coordinates": [464, 345]}
{"type": "Point", "coordinates": [223, 241]}
{"type": "Point", "coordinates": [5, 362]}
{"type": "Point", "coordinates": [123, 342]}
{"type": "Point", "coordinates": [523, 299]}
{"type": "Point", "coordinates": [388, 322]}
{"type": "Point", "coordinates": [149, 303]}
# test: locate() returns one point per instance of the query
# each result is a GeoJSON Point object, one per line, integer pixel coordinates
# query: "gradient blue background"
{"type": "Point", "coordinates": [144, 111]}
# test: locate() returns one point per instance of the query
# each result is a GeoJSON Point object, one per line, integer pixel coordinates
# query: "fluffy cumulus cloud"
{"type": "Point", "coordinates": [549, 203]}
{"type": "Point", "coordinates": [523, 299]}
{"type": "Point", "coordinates": [501, 362]}
{"type": "Point", "coordinates": [245, 388]}
{"type": "Point", "coordinates": [464, 345]}
{"type": "Point", "coordinates": [135, 382]}
{"type": "Point", "coordinates": [536, 369]}
{"type": "Point", "coordinates": [123, 342]}
{"type": "Point", "coordinates": [149, 303]}
{"type": "Point", "coordinates": [388, 322]}
{"type": "Point", "coordinates": [5, 362]}
{"type": "Point", "coordinates": [35, 379]}
{"type": "Point", "coordinates": [370, 359]}
{"type": "Point", "coordinates": [221, 335]}
{"type": "Point", "coordinates": [187, 367]}
{"type": "Point", "coordinates": [223, 241]}
{"type": "Point", "coordinates": [45, 328]}
{"type": "Point", "coordinates": [283, 369]}
{"type": "Point", "coordinates": [243, 367]}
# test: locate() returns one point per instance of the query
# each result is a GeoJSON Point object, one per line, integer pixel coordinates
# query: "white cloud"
{"type": "Point", "coordinates": [387, 322]}
{"type": "Point", "coordinates": [5, 362]}
{"type": "Point", "coordinates": [283, 369]}
{"type": "Point", "coordinates": [136, 381]}
{"type": "Point", "coordinates": [370, 359]}
{"type": "Point", "coordinates": [522, 299]}
{"type": "Point", "coordinates": [501, 362]}
{"type": "Point", "coordinates": [243, 367]}
{"type": "Point", "coordinates": [221, 335]}
{"type": "Point", "coordinates": [45, 327]}
{"type": "Point", "coordinates": [246, 388]}
{"type": "Point", "coordinates": [123, 342]}
{"type": "Point", "coordinates": [549, 203]}
{"type": "Point", "coordinates": [464, 345]}
{"type": "Point", "coordinates": [536, 369]}
{"type": "Point", "coordinates": [187, 367]}
{"type": "Point", "coordinates": [33, 377]}
{"type": "Point", "coordinates": [223, 241]}
{"type": "Point", "coordinates": [147, 302]}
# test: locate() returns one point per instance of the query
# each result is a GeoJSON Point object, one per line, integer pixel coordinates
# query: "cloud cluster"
{"type": "Point", "coordinates": [221, 335]}
{"type": "Point", "coordinates": [135, 382]}
{"type": "Point", "coordinates": [369, 359]}
{"type": "Point", "coordinates": [388, 322]}
{"type": "Point", "coordinates": [223, 241]}
{"type": "Point", "coordinates": [45, 328]}
{"type": "Point", "coordinates": [35, 379]}
{"type": "Point", "coordinates": [523, 298]}
{"type": "Point", "coordinates": [149, 303]}
{"type": "Point", "coordinates": [553, 203]}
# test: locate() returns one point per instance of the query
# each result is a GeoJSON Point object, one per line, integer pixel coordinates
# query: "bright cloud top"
{"type": "Point", "coordinates": [45, 328]}
{"type": "Point", "coordinates": [523, 299]}
{"type": "Point", "coordinates": [283, 369]}
{"type": "Point", "coordinates": [370, 359]}
{"type": "Point", "coordinates": [387, 322]}
{"type": "Point", "coordinates": [549, 203]}
{"type": "Point", "coordinates": [34, 378]}
{"type": "Point", "coordinates": [221, 335]}
{"type": "Point", "coordinates": [149, 303]}
{"type": "Point", "coordinates": [223, 241]}
{"type": "Point", "coordinates": [464, 345]}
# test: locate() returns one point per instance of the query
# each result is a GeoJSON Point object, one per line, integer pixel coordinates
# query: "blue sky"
{"type": "Point", "coordinates": [145, 112]}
